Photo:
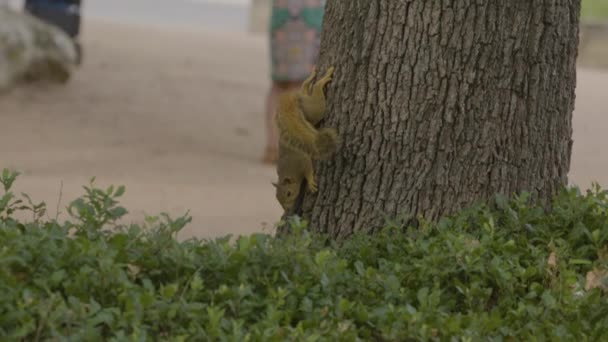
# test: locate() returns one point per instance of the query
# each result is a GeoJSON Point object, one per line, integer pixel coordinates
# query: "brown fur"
{"type": "Point", "coordinates": [299, 141]}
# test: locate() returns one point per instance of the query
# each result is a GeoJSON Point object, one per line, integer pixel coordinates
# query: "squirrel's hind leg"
{"type": "Point", "coordinates": [306, 85]}
{"type": "Point", "coordinates": [314, 105]}
{"type": "Point", "coordinates": [318, 87]}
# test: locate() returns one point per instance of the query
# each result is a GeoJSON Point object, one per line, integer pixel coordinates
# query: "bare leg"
{"type": "Point", "coordinates": [270, 154]}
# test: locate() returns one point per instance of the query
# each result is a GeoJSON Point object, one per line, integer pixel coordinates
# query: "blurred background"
{"type": "Point", "coordinates": [169, 101]}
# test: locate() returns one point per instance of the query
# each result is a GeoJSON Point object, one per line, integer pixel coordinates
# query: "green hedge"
{"type": "Point", "coordinates": [507, 271]}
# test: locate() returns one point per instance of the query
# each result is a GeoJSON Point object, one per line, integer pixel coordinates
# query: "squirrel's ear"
{"type": "Point", "coordinates": [275, 184]}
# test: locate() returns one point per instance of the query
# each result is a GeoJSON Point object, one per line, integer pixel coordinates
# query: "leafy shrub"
{"type": "Point", "coordinates": [505, 271]}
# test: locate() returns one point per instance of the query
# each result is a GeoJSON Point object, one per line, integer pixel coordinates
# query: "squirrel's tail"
{"type": "Point", "coordinates": [327, 142]}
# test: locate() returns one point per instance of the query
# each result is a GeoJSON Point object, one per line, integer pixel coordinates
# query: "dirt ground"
{"type": "Point", "coordinates": [176, 116]}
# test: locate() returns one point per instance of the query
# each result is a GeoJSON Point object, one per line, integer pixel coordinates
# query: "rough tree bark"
{"type": "Point", "coordinates": [441, 103]}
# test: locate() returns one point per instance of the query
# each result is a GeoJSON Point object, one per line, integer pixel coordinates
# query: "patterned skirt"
{"type": "Point", "coordinates": [295, 31]}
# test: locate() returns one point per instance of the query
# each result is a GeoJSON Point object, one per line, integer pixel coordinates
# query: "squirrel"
{"type": "Point", "coordinates": [298, 113]}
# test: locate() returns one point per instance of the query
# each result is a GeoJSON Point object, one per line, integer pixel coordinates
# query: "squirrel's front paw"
{"type": "Point", "coordinates": [312, 186]}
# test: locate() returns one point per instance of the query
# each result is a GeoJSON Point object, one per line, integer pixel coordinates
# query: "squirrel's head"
{"type": "Point", "coordinates": [287, 192]}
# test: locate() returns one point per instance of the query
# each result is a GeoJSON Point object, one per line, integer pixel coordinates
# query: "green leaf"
{"type": "Point", "coordinates": [120, 191]}
{"type": "Point", "coordinates": [5, 200]}
{"type": "Point", "coordinates": [58, 276]}
{"type": "Point", "coordinates": [549, 300]}
{"type": "Point", "coordinates": [322, 257]}
{"type": "Point", "coordinates": [118, 212]}
{"type": "Point", "coordinates": [579, 262]}
{"type": "Point", "coordinates": [169, 291]}
{"type": "Point", "coordinates": [197, 283]}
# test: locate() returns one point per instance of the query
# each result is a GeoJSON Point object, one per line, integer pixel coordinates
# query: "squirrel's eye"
{"type": "Point", "coordinates": [288, 193]}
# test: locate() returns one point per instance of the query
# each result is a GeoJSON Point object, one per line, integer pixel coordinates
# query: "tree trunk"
{"type": "Point", "coordinates": [440, 104]}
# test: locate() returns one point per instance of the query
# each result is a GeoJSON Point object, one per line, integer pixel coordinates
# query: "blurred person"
{"type": "Point", "coordinates": [64, 14]}
{"type": "Point", "coordinates": [295, 30]}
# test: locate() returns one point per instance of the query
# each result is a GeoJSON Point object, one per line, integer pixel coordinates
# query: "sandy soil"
{"type": "Point", "coordinates": [176, 116]}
